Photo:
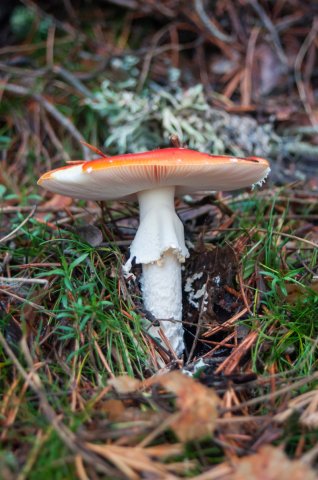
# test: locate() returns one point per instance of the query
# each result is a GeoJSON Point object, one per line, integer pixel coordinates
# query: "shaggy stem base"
{"type": "Point", "coordinates": [159, 246]}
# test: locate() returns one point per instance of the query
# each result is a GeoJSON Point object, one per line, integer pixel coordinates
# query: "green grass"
{"type": "Point", "coordinates": [288, 325]}
{"type": "Point", "coordinates": [82, 294]}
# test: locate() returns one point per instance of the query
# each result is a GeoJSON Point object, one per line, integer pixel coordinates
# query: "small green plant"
{"type": "Point", "coordinates": [23, 19]}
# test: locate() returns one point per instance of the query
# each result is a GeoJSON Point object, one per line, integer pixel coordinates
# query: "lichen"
{"type": "Point", "coordinates": [137, 122]}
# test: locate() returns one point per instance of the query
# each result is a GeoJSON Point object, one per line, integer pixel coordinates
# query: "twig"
{"type": "Point", "coordinates": [199, 325]}
{"type": "Point", "coordinates": [13, 233]}
{"type": "Point", "coordinates": [213, 30]}
{"type": "Point", "coordinates": [53, 137]}
{"type": "Point", "coordinates": [269, 396]}
{"type": "Point", "coordinates": [246, 418]}
{"type": "Point", "coordinates": [50, 46]}
{"type": "Point", "coordinates": [231, 362]}
{"type": "Point", "coordinates": [151, 52]}
{"type": "Point", "coordinates": [80, 469]}
{"type": "Point", "coordinates": [164, 425]}
{"type": "Point", "coordinates": [226, 325]}
{"type": "Point", "coordinates": [288, 235]}
{"type": "Point", "coordinates": [59, 117]}
{"type": "Point", "coordinates": [23, 280]}
{"type": "Point", "coordinates": [101, 356]}
{"type": "Point", "coordinates": [131, 4]}
{"type": "Point", "coordinates": [75, 82]}
{"type": "Point", "coordinates": [271, 29]}
{"type": "Point", "coordinates": [41, 209]}
{"type": "Point", "coordinates": [247, 79]}
{"type": "Point", "coordinates": [30, 47]}
{"type": "Point", "coordinates": [273, 232]}
{"type": "Point", "coordinates": [311, 37]}
{"type": "Point", "coordinates": [40, 72]}
{"type": "Point", "coordinates": [24, 300]}
{"type": "Point", "coordinates": [71, 11]}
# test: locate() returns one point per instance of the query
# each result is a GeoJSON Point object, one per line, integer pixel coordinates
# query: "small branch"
{"type": "Point", "coordinates": [266, 21]}
{"type": "Point", "coordinates": [75, 82]}
{"type": "Point", "coordinates": [199, 324]}
{"type": "Point", "coordinates": [311, 37]}
{"type": "Point", "coordinates": [213, 30]}
{"type": "Point", "coordinates": [263, 230]}
{"type": "Point", "coordinates": [269, 396]}
{"type": "Point", "coordinates": [50, 209]}
{"type": "Point", "coordinates": [13, 233]}
{"type": "Point", "coordinates": [13, 280]}
{"type": "Point", "coordinates": [28, 302]}
{"type": "Point", "coordinates": [59, 117]}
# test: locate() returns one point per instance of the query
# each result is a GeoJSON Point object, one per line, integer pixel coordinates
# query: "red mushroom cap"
{"type": "Point", "coordinates": [110, 178]}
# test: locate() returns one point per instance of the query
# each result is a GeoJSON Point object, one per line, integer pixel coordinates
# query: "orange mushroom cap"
{"type": "Point", "coordinates": [110, 178]}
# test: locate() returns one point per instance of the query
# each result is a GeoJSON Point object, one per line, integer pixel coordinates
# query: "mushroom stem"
{"type": "Point", "coordinates": [159, 246]}
{"type": "Point", "coordinates": [162, 296]}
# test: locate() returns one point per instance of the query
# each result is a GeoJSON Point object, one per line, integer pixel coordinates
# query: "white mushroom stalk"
{"type": "Point", "coordinates": [159, 246]}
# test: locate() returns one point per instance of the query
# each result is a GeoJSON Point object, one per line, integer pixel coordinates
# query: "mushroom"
{"type": "Point", "coordinates": [156, 177]}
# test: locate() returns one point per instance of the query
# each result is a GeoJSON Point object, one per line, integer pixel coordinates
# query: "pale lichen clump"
{"type": "Point", "coordinates": [139, 122]}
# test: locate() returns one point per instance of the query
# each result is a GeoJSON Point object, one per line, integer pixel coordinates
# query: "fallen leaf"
{"type": "Point", "coordinates": [125, 384]}
{"type": "Point", "coordinates": [58, 201]}
{"type": "Point", "coordinates": [297, 292]}
{"type": "Point", "coordinates": [307, 403]}
{"type": "Point", "coordinates": [114, 409]}
{"type": "Point", "coordinates": [271, 463]}
{"type": "Point", "coordinates": [197, 406]}
{"type": "Point", "coordinates": [117, 411]}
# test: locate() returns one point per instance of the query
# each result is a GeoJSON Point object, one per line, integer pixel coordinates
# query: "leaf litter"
{"type": "Point", "coordinates": [271, 463]}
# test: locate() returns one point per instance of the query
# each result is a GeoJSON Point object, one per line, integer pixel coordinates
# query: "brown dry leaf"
{"type": "Point", "coordinates": [58, 201]}
{"type": "Point", "coordinates": [125, 384]}
{"type": "Point", "coordinates": [296, 292]}
{"type": "Point", "coordinates": [309, 418]}
{"type": "Point", "coordinates": [113, 408]}
{"type": "Point", "coordinates": [197, 405]}
{"type": "Point", "coordinates": [307, 403]}
{"type": "Point", "coordinates": [117, 411]}
{"type": "Point", "coordinates": [271, 463]}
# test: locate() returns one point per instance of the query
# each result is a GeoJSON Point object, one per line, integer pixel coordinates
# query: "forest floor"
{"type": "Point", "coordinates": [85, 391]}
